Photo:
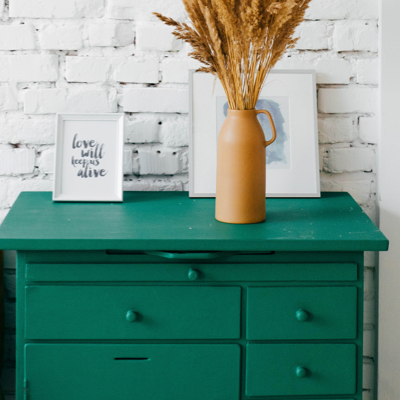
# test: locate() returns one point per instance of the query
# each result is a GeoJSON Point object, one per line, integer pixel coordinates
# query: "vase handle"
{"type": "Point", "coordinates": [271, 121]}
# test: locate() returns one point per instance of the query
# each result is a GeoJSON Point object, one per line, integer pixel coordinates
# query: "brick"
{"type": "Point", "coordinates": [312, 36]}
{"type": "Point", "coordinates": [3, 214]}
{"type": "Point", "coordinates": [21, 129]}
{"type": "Point", "coordinates": [369, 343]}
{"type": "Point", "coordinates": [128, 161]}
{"type": "Point", "coordinates": [86, 69]}
{"type": "Point", "coordinates": [369, 284]}
{"type": "Point", "coordinates": [2, 7]}
{"type": "Point", "coordinates": [350, 160]}
{"type": "Point", "coordinates": [142, 130]}
{"type": "Point", "coordinates": [142, 10]}
{"type": "Point", "coordinates": [146, 183]}
{"type": "Point", "coordinates": [42, 68]}
{"type": "Point", "coordinates": [137, 70]}
{"type": "Point", "coordinates": [368, 71]}
{"type": "Point", "coordinates": [8, 98]}
{"type": "Point", "coordinates": [176, 70]}
{"type": "Point", "coordinates": [111, 34]}
{"type": "Point", "coordinates": [28, 185]}
{"type": "Point", "coordinates": [348, 100]}
{"type": "Point", "coordinates": [343, 9]}
{"type": "Point", "coordinates": [369, 129]}
{"type": "Point", "coordinates": [336, 130]}
{"type": "Point", "coordinates": [368, 374]}
{"type": "Point", "coordinates": [46, 161]}
{"type": "Point", "coordinates": [355, 35]}
{"type": "Point", "coordinates": [359, 189]}
{"type": "Point", "coordinates": [82, 100]}
{"type": "Point", "coordinates": [61, 37]}
{"type": "Point", "coordinates": [159, 162]}
{"type": "Point", "coordinates": [174, 132]}
{"type": "Point", "coordinates": [17, 37]}
{"type": "Point", "coordinates": [56, 9]}
{"type": "Point", "coordinates": [17, 161]}
{"type": "Point", "coordinates": [166, 100]}
{"type": "Point", "coordinates": [156, 36]}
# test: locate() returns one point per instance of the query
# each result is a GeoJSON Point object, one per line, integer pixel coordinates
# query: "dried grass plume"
{"type": "Point", "coordinates": [239, 41]}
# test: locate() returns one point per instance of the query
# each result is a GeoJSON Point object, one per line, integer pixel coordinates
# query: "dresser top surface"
{"type": "Point", "coordinates": [173, 221]}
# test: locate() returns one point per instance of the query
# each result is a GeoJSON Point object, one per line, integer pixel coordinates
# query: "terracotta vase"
{"type": "Point", "coordinates": [241, 165]}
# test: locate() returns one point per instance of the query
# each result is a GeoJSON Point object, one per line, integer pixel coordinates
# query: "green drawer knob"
{"type": "Point", "coordinates": [193, 274]}
{"type": "Point", "coordinates": [301, 372]}
{"type": "Point", "coordinates": [302, 315]}
{"type": "Point", "coordinates": [132, 316]}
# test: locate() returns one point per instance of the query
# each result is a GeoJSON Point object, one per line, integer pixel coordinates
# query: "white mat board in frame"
{"type": "Point", "coordinates": [292, 162]}
{"type": "Point", "coordinates": [89, 158]}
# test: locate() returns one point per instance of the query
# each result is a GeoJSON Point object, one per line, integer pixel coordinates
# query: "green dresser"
{"type": "Point", "coordinates": [153, 299]}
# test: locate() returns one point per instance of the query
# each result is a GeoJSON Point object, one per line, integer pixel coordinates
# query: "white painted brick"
{"type": "Point", "coordinates": [369, 343]}
{"type": "Point", "coordinates": [366, 395]}
{"type": "Point", "coordinates": [145, 183]}
{"type": "Point", "coordinates": [360, 190]}
{"type": "Point", "coordinates": [368, 71]}
{"type": "Point", "coordinates": [369, 129]}
{"type": "Point", "coordinates": [159, 162]}
{"type": "Point", "coordinates": [21, 129]}
{"type": "Point", "coordinates": [336, 130]}
{"type": "Point", "coordinates": [27, 185]}
{"type": "Point", "coordinates": [17, 37]}
{"type": "Point", "coordinates": [169, 100]}
{"type": "Point", "coordinates": [176, 70]}
{"type": "Point", "coordinates": [312, 36]}
{"type": "Point", "coordinates": [343, 9]}
{"type": "Point", "coordinates": [56, 9]}
{"type": "Point", "coordinates": [128, 162]}
{"type": "Point", "coordinates": [137, 70]}
{"type": "Point", "coordinates": [350, 160]}
{"type": "Point", "coordinates": [17, 161]}
{"type": "Point", "coordinates": [111, 34]}
{"type": "Point", "coordinates": [142, 10]}
{"type": "Point", "coordinates": [2, 7]}
{"type": "Point", "coordinates": [369, 312]}
{"type": "Point", "coordinates": [46, 161]}
{"type": "Point", "coordinates": [156, 36]}
{"type": "Point", "coordinates": [61, 36]}
{"type": "Point", "coordinates": [355, 35]}
{"type": "Point", "coordinates": [3, 190]}
{"type": "Point", "coordinates": [174, 132]}
{"type": "Point", "coordinates": [3, 215]}
{"type": "Point", "coordinates": [28, 68]}
{"type": "Point", "coordinates": [81, 100]}
{"type": "Point", "coordinates": [368, 375]}
{"type": "Point", "coordinates": [142, 130]}
{"type": "Point", "coordinates": [8, 98]}
{"type": "Point", "coordinates": [369, 284]}
{"type": "Point", "coordinates": [348, 100]}
{"type": "Point", "coordinates": [86, 69]}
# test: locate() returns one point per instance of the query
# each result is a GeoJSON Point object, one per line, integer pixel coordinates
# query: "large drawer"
{"type": "Point", "coordinates": [126, 372]}
{"type": "Point", "coordinates": [300, 369]}
{"type": "Point", "coordinates": [132, 312]}
{"type": "Point", "coordinates": [285, 313]}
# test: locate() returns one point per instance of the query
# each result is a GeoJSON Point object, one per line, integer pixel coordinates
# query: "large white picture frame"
{"type": "Point", "coordinates": [89, 158]}
{"type": "Point", "coordinates": [292, 161]}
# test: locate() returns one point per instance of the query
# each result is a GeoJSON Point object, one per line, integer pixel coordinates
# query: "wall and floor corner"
{"type": "Point", "coordinates": [389, 201]}
{"type": "Point", "coordinates": [106, 55]}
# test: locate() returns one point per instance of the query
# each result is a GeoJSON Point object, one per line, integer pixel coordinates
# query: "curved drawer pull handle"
{"type": "Point", "coordinates": [301, 372]}
{"type": "Point", "coordinates": [302, 315]}
{"type": "Point", "coordinates": [132, 316]}
{"type": "Point", "coordinates": [187, 256]}
{"type": "Point", "coordinates": [193, 274]}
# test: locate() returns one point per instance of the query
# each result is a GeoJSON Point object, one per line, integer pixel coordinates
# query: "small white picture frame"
{"type": "Point", "coordinates": [292, 162]}
{"type": "Point", "coordinates": [89, 158]}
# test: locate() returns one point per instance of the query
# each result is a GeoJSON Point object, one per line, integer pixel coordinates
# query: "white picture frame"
{"type": "Point", "coordinates": [292, 162]}
{"type": "Point", "coordinates": [89, 158]}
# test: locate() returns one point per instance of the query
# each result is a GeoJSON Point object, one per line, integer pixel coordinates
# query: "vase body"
{"type": "Point", "coordinates": [241, 165]}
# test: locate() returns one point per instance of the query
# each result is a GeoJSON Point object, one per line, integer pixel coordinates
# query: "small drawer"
{"type": "Point", "coordinates": [132, 312]}
{"type": "Point", "coordinates": [126, 372]}
{"type": "Point", "coordinates": [187, 272]}
{"type": "Point", "coordinates": [300, 369]}
{"type": "Point", "coordinates": [286, 313]}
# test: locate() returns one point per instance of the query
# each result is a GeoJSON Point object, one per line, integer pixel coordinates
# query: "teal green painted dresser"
{"type": "Point", "coordinates": [153, 299]}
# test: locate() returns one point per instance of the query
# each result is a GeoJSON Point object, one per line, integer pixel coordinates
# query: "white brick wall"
{"type": "Point", "coordinates": [115, 56]}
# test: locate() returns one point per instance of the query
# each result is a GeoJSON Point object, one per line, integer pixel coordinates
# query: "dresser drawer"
{"type": "Point", "coordinates": [300, 369]}
{"type": "Point", "coordinates": [285, 313]}
{"type": "Point", "coordinates": [132, 312]}
{"type": "Point", "coordinates": [126, 372]}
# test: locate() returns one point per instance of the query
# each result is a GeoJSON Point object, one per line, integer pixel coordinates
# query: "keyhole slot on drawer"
{"type": "Point", "coordinates": [131, 359]}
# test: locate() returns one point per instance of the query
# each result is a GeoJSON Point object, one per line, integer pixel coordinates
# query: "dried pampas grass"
{"type": "Point", "coordinates": [239, 41]}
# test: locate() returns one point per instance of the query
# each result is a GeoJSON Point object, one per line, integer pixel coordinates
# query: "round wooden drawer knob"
{"type": "Point", "coordinates": [302, 315]}
{"type": "Point", "coordinates": [301, 372]}
{"type": "Point", "coordinates": [132, 316]}
{"type": "Point", "coordinates": [193, 274]}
